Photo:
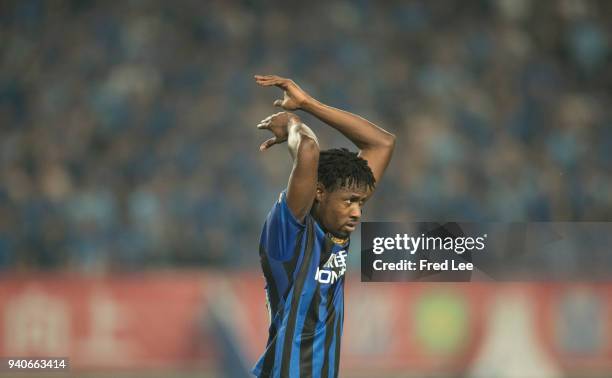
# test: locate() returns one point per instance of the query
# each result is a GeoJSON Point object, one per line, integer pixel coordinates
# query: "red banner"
{"type": "Point", "coordinates": [142, 321]}
{"type": "Point", "coordinates": [207, 320]}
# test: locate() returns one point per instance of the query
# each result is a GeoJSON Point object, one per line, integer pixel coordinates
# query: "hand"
{"type": "Point", "coordinates": [293, 96]}
{"type": "Point", "coordinates": [278, 124]}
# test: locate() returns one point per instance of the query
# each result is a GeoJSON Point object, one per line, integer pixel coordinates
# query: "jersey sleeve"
{"type": "Point", "coordinates": [280, 233]}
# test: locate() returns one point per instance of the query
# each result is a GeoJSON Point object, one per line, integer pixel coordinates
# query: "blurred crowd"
{"type": "Point", "coordinates": [128, 135]}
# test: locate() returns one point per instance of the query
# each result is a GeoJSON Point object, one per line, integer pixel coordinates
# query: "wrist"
{"type": "Point", "coordinates": [293, 119]}
{"type": "Point", "coordinates": [309, 104]}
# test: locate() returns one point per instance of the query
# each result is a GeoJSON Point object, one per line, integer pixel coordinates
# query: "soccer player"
{"type": "Point", "coordinates": [305, 238]}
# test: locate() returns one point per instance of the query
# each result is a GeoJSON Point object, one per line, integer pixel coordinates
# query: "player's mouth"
{"type": "Point", "coordinates": [350, 226]}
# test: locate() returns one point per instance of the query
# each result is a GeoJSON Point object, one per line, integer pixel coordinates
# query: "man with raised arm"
{"type": "Point", "coordinates": [304, 241]}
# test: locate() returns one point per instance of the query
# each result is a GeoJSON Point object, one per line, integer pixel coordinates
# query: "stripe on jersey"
{"type": "Point", "coordinates": [308, 334]}
{"type": "Point", "coordinates": [267, 271]}
{"type": "Point", "coordinates": [289, 267]}
{"type": "Point", "coordinates": [338, 340]}
{"type": "Point", "coordinates": [297, 290]}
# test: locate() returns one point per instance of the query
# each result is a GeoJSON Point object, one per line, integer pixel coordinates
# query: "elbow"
{"type": "Point", "coordinates": [389, 141]}
{"type": "Point", "coordinates": [309, 147]}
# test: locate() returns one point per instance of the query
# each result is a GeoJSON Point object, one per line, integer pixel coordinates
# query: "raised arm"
{"type": "Point", "coordinates": [375, 144]}
{"type": "Point", "coordinates": [304, 149]}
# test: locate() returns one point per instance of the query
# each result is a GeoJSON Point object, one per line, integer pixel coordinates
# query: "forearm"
{"type": "Point", "coordinates": [304, 149]}
{"type": "Point", "coordinates": [363, 133]}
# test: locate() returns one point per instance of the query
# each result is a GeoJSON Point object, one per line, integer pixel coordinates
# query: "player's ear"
{"type": "Point", "coordinates": [320, 192]}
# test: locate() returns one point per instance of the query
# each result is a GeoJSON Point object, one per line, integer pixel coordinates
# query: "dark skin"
{"type": "Point", "coordinates": [304, 148]}
{"type": "Point", "coordinates": [337, 211]}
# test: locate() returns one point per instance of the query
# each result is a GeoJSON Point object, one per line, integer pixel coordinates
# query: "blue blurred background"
{"type": "Point", "coordinates": [128, 138]}
{"type": "Point", "coordinates": [128, 135]}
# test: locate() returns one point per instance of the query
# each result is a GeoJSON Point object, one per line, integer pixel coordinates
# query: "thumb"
{"type": "Point", "coordinates": [278, 103]}
{"type": "Point", "coordinates": [267, 144]}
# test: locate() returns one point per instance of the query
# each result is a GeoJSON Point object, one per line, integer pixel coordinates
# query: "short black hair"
{"type": "Point", "coordinates": [341, 168]}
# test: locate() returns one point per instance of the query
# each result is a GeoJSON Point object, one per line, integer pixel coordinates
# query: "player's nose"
{"type": "Point", "coordinates": [355, 213]}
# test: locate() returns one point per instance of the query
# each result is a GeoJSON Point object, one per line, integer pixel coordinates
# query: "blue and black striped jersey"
{"type": "Point", "coordinates": [304, 272]}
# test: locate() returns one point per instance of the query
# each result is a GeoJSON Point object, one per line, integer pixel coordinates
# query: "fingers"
{"type": "Point", "coordinates": [278, 103]}
{"type": "Point", "coordinates": [266, 122]}
{"type": "Point", "coordinates": [267, 144]}
{"type": "Point", "coordinates": [265, 80]}
{"type": "Point", "coordinates": [268, 77]}
{"type": "Point", "coordinates": [269, 80]}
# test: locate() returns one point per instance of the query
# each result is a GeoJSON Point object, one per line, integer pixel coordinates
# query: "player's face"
{"type": "Point", "coordinates": [340, 210]}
